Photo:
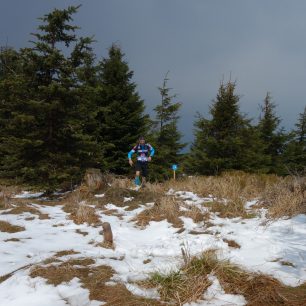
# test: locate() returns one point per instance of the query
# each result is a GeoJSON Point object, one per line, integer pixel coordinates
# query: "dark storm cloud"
{"type": "Point", "coordinates": [261, 44]}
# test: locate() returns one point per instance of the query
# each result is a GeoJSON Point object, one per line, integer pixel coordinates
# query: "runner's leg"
{"type": "Point", "coordinates": [138, 169]}
{"type": "Point", "coordinates": [144, 170]}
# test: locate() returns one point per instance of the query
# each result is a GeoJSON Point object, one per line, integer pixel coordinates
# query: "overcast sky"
{"type": "Point", "coordinates": [261, 44]}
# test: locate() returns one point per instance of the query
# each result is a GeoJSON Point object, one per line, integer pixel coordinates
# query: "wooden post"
{"type": "Point", "coordinates": [174, 168]}
{"type": "Point", "coordinates": [107, 233]}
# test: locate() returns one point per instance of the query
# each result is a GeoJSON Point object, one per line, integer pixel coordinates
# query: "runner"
{"type": "Point", "coordinates": [145, 153]}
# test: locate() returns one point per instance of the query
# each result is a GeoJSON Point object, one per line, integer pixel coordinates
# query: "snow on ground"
{"type": "Point", "coordinates": [215, 296]}
{"type": "Point", "coordinates": [140, 251]}
{"type": "Point", "coordinates": [28, 195]}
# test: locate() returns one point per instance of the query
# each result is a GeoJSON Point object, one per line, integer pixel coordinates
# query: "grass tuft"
{"type": "Point", "coordinates": [258, 289]}
{"type": "Point", "coordinates": [80, 212]}
{"type": "Point", "coordinates": [167, 208]}
{"type": "Point", "coordinates": [10, 228]}
{"type": "Point", "coordinates": [286, 198]}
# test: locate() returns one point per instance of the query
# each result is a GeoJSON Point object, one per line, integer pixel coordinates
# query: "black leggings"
{"type": "Point", "coordinates": [142, 167]}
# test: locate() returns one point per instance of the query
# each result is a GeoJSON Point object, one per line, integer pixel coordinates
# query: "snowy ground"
{"type": "Point", "coordinates": [263, 248]}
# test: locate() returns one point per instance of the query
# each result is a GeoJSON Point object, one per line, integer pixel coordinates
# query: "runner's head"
{"type": "Point", "coordinates": [142, 140]}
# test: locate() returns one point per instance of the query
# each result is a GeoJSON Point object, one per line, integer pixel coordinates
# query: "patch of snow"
{"type": "Point", "coordinates": [249, 204]}
{"type": "Point", "coordinates": [216, 296]}
{"type": "Point", "coordinates": [101, 195]}
{"type": "Point", "coordinates": [158, 241]}
{"type": "Point", "coordinates": [127, 199]}
{"type": "Point", "coordinates": [28, 195]}
{"type": "Point", "coordinates": [147, 293]}
{"type": "Point", "coordinates": [21, 290]}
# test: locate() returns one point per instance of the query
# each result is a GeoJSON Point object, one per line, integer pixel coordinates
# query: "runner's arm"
{"type": "Point", "coordinates": [152, 151]}
{"type": "Point", "coordinates": [131, 153]}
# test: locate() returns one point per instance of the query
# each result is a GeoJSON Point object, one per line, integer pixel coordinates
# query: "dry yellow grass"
{"type": "Point", "coordinates": [65, 272]}
{"type": "Point", "coordinates": [167, 208]}
{"type": "Point", "coordinates": [65, 253]}
{"type": "Point", "coordinates": [79, 211]}
{"type": "Point", "coordinates": [258, 289]}
{"type": "Point", "coordinates": [286, 198]}
{"type": "Point", "coordinates": [10, 228]}
{"type": "Point", "coordinates": [6, 193]}
{"type": "Point", "coordinates": [85, 213]}
{"type": "Point", "coordinates": [229, 185]}
{"type": "Point", "coordinates": [94, 279]}
{"type": "Point", "coordinates": [195, 213]}
{"type": "Point", "coordinates": [20, 208]}
{"type": "Point", "coordinates": [282, 196]}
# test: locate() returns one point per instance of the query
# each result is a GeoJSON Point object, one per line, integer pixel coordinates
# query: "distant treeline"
{"type": "Point", "coordinates": [63, 110]}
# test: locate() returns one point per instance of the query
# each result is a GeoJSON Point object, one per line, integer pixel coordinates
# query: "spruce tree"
{"type": "Point", "coordinates": [301, 127]}
{"type": "Point", "coordinates": [166, 136]}
{"type": "Point", "coordinates": [120, 115]}
{"type": "Point", "coordinates": [227, 141]}
{"type": "Point", "coordinates": [46, 139]}
{"type": "Point", "coordinates": [294, 158]}
{"type": "Point", "coordinates": [15, 89]}
{"type": "Point", "coordinates": [271, 135]}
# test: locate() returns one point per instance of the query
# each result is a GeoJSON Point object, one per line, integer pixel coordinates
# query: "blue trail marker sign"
{"type": "Point", "coordinates": [174, 168]}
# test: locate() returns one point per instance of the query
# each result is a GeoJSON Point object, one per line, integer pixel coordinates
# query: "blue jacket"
{"type": "Point", "coordinates": [142, 151]}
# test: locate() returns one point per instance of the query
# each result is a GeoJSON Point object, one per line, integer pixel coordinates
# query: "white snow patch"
{"type": "Point", "coordinates": [128, 199]}
{"type": "Point", "coordinates": [216, 296]}
{"type": "Point", "coordinates": [21, 290]}
{"type": "Point", "coordinates": [159, 242]}
{"type": "Point", "coordinates": [28, 195]}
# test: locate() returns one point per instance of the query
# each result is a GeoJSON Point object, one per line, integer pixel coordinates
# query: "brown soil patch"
{"type": "Point", "coordinates": [232, 243]}
{"type": "Point", "coordinates": [12, 239]}
{"type": "Point", "coordinates": [193, 232]}
{"type": "Point", "coordinates": [65, 252]}
{"type": "Point", "coordinates": [81, 232]}
{"type": "Point", "coordinates": [29, 218]}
